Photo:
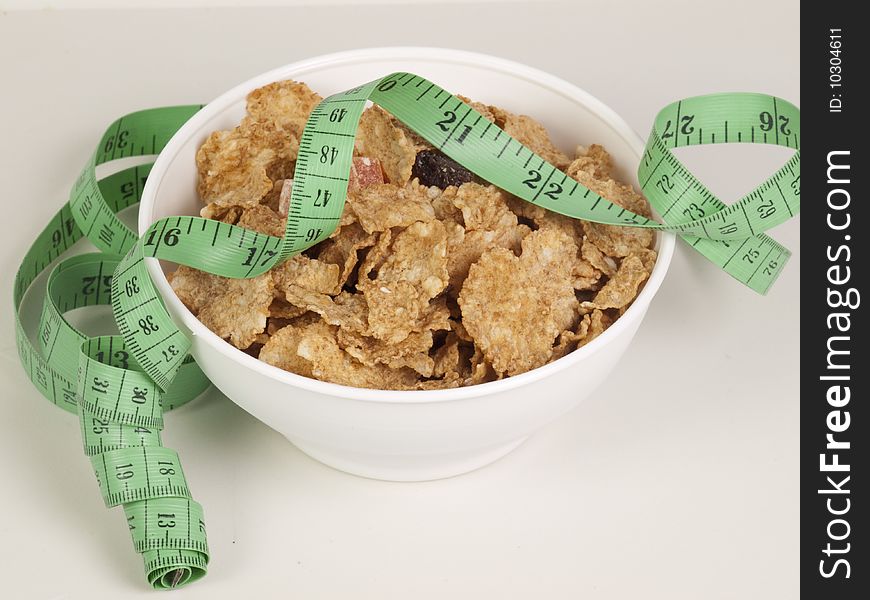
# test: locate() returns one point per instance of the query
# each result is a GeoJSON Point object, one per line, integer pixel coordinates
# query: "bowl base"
{"type": "Point", "coordinates": [406, 468]}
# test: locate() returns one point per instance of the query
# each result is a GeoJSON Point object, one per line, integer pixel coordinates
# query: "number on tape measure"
{"type": "Point", "coordinates": [139, 473]}
{"type": "Point", "coordinates": [171, 524]}
{"type": "Point", "coordinates": [120, 385]}
{"type": "Point", "coordinates": [120, 409]}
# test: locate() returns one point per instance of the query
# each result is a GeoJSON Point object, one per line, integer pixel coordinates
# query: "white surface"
{"type": "Point", "coordinates": [678, 479]}
{"type": "Point", "coordinates": [402, 436]}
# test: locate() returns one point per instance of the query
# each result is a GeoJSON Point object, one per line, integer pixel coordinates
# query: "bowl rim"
{"type": "Point", "coordinates": [297, 69]}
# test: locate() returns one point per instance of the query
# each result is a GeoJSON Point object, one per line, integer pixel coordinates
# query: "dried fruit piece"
{"type": "Point", "coordinates": [364, 171]}
{"type": "Point", "coordinates": [412, 274]}
{"type": "Point", "coordinates": [515, 307]}
{"type": "Point", "coordinates": [285, 103]}
{"type": "Point", "coordinates": [284, 198]}
{"type": "Point", "coordinates": [434, 168]}
{"type": "Point", "coordinates": [383, 206]}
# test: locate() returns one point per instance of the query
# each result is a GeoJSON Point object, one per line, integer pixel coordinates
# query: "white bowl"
{"type": "Point", "coordinates": [394, 435]}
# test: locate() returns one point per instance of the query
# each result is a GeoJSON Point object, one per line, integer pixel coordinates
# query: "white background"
{"type": "Point", "coordinates": [677, 480]}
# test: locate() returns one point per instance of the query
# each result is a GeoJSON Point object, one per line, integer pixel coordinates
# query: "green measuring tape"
{"type": "Point", "coordinates": [120, 385]}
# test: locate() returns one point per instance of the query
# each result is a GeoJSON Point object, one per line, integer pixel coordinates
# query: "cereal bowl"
{"type": "Point", "coordinates": [406, 435]}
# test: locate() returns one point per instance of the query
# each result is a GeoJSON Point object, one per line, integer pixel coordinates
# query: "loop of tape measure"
{"type": "Point", "coordinates": [120, 385]}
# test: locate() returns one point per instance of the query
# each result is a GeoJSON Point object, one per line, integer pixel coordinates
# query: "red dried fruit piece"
{"type": "Point", "coordinates": [364, 171]}
{"type": "Point", "coordinates": [434, 168]}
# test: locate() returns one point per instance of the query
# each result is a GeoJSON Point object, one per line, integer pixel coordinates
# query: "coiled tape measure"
{"type": "Point", "coordinates": [121, 385]}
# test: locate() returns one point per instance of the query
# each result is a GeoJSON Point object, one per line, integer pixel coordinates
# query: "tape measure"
{"type": "Point", "coordinates": [121, 385]}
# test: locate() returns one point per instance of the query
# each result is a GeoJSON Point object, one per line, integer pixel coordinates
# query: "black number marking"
{"type": "Point", "coordinates": [667, 133]}
{"type": "Point", "coordinates": [88, 284]}
{"type": "Point", "coordinates": [534, 178]}
{"type": "Point", "coordinates": [328, 154]}
{"type": "Point", "coordinates": [139, 395]}
{"type": "Point", "coordinates": [687, 126]}
{"type": "Point", "coordinates": [147, 325]}
{"type": "Point", "coordinates": [665, 184]}
{"type": "Point", "coordinates": [99, 426]}
{"type": "Point", "coordinates": [386, 86]}
{"type": "Point", "coordinates": [751, 255]}
{"type": "Point", "coordinates": [87, 205]}
{"type": "Point", "coordinates": [444, 124]}
{"type": "Point", "coordinates": [337, 114]}
{"type": "Point", "coordinates": [765, 209]}
{"type": "Point", "coordinates": [693, 211]}
{"type": "Point", "coordinates": [132, 286]}
{"type": "Point", "coordinates": [170, 238]}
{"type": "Point", "coordinates": [169, 353]}
{"type": "Point", "coordinates": [766, 120]}
{"type": "Point", "coordinates": [122, 357]}
{"type": "Point", "coordinates": [100, 385]}
{"type": "Point", "coordinates": [252, 251]}
{"type": "Point", "coordinates": [123, 472]}
{"type": "Point", "coordinates": [312, 234]}
{"type": "Point", "coordinates": [166, 520]}
{"type": "Point", "coordinates": [268, 255]}
{"type": "Point", "coordinates": [106, 235]}
{"type": "Point", "coordinates": [783, 125]}
{"type": "Point", "coordinates": [166, 470]}
{"type": "Point", "coordinates": [770, 268]}
{"type": "Point", "coordinates": [553, 191]}
{"type": "Point", "coordinates": [465, 131]}
{"type": "Point", "coordinates": [323, 197]}
{"type": "Point", "coordinates": [728, 228]}
{"type": "Point", "coordinates": [119, 141]}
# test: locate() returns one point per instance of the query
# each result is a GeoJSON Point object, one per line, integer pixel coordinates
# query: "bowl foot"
{"type": "Point", "coordinates": [406, 468]}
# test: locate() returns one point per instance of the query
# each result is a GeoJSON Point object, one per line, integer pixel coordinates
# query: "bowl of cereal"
{"type": "Point", "coordinates": [445, 320]}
